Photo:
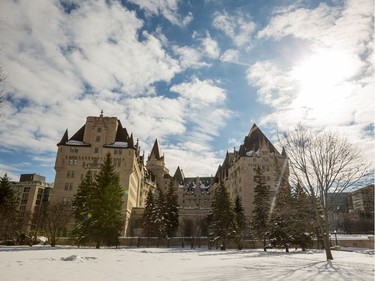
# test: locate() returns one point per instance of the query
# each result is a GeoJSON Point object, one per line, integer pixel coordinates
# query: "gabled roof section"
{"type": "Point", "coordinates": [64, 138]}
{"type": "Point", "coordinates": [122, 139]}
{"type": "Point", "coordinates": [179, 175]}
{"type": "Point", "coordinates": [254, 140]}
{"type": "Point", "coordinates": [76, 139]}
{"type": "Point", "coordinates": [79, 135]}
{"type": "Point", "coordinates": [155, 152]}
{"type": "Point", "coordinates": [121, 134]}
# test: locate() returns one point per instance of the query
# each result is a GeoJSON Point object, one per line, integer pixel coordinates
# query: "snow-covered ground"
{"type": "Point", "coordinates": [44, 263]}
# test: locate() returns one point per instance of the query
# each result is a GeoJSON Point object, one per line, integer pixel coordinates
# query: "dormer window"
{"type": "Point", "coordinates": [99, 130]}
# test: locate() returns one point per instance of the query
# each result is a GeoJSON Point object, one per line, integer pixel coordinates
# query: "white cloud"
{"type": "Point", "coordinates": [330, 85]}
{"type": "Point", "coordinates": [275, 84]}
{"type": "Point", "coordinates": [200, 93]}
{"type": "Point", "coordinates": [165, 8]}
{"type": "Point", "coordinates": [189, 57]}
{"type": "Point", "coordinates": [302, 22]}
{"type": "Point", "coordinates": [230, 56]}
{"type": "Point", "coordinates": [210, 47]}
{"type": "Point", "coordinates": [237, 27]}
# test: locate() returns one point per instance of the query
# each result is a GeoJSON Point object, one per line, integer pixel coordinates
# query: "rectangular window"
{"type": "Point", "coordinates": [25, 196]}
{"type": "Point", "coordinates": [97, 139]}
{"type": "Point", "coordinates": [72, 161]}
{"type": "Point", "coordinates": [66, 186]}
{"type": "Point", "coordinates": [26, 189]}
{"type": "Point", "coordinates": [99, 129]}
{"type": "Point", "coordinates": [96, 150]}
{"type": "Point", "coordinates": [23, 201]}
{"type": "Point", "coordinates": [118, 151]}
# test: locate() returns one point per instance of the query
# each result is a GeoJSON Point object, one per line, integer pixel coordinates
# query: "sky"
{"type": "Point", "coordinates": [195, 74]}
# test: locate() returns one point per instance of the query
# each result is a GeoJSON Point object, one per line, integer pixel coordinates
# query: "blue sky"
{"type": "Point", "coordinates": [194, 74]}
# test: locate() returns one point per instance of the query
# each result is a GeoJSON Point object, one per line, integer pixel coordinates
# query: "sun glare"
{"type": "Point", "coordinates": [321, 76]}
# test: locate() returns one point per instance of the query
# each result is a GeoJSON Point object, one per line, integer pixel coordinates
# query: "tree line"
{"type": "Point", "coordinates": [318, 163]}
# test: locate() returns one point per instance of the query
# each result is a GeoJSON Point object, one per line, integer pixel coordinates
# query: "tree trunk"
{"type": "Point", "coordinates": [97, 245]}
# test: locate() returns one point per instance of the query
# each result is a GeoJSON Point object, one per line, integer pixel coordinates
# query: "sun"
{"type": "Point", "coordinates": [321, 76]}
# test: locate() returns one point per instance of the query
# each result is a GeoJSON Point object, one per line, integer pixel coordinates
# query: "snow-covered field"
{"type": "Point", "coordinates": [44, 263]}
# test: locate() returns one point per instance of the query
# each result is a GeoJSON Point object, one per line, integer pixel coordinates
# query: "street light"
{"type": "Point", "coordinates": [335, 232]}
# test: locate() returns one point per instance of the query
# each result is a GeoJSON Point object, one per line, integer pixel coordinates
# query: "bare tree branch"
{"type": "Point", "coordinates": [323, 163]}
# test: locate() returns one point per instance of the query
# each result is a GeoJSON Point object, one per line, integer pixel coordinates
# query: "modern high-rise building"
{"type": "Point", "coordinates": [87, 149]}
{"type": "Point", "coordinates": [32, 191]}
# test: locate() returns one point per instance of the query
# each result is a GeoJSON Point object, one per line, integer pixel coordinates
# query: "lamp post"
{"type": "Point", "coordinates": [335, 232]}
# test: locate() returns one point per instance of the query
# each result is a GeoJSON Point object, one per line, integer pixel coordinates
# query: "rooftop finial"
{"type": "Point", "coordinates": [101, 113]}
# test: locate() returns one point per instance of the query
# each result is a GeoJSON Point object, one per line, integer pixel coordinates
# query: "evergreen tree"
{"type": "Point", "coordinates": [98, 206]}
{"type": "Point", "coordinates": [8, 206]}
{"type": "Point", "coordinates": [240, 220]}
{"type": "Point", "coordinates": [107, 205]}
{"type": "Point", "coordinates": [161, 216]}
{"type": "Point", "coordinates": [281, 222]}
{"type": "Point", "coordinates": [260, 214]}
{"type": "Point", "coordinates": [149, 216]}
{"type": "Point", "coordinates": [223, 221]}
{"type": "Point", "coordinates": [171, 210]}
{"type": "Point", "coordinates": [82, 205]}
{"type": "Point", "coordinates": [303, 218]}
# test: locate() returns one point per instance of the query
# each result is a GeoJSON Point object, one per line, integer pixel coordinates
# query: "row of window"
{"type": "Point", "coordinates": [117, 151]}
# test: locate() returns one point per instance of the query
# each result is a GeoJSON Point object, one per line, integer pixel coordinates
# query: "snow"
{"type": "Point", "coordinates": [74, 142]}
{"type": "Point", "coordinates": [44, 263]}
{"type": "Point", "coordinates": [118, 144]}
{"type": "Point", "coordinates": [249, 153]}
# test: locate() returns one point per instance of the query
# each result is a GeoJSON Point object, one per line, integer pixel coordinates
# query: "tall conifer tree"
{"type": "Point", "coordinates": [281, 222]}
{"type": "Point", "coordinates": [240, 220]}
{"type": "Point", "coordinates": [149, 216]}
{"type": "Point", "coordinates": [260, 218]}
{"type": "Point", "coordinates": [83, 207]}
{"type": "Point", "coordinates": [171, 212]}
{"type": "Point", "coordinates": [107, 208]}
{"type": "Point", "coordinates": [304, 220]}
{"type": "Point", "coordinates": [99, 206]}
{"type": "Point", "coordinates": [8, 206]}
{"type": "Point", "coordinates": [223, 221]}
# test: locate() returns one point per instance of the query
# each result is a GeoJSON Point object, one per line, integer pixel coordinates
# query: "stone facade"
{"type": "Point", "coordinates": [87, 149]}
{"type": "Point", "coordinates": [238, 169]}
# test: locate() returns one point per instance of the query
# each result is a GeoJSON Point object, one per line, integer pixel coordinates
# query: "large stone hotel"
{"type": "Point", "coordinates": [86, 149]}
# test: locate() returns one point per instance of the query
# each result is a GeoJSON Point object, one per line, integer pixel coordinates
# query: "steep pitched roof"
{"type": "Point", "coordinates": [78, 136]}
{"type": "Point", "coordinates": [155, 152]}
{"type": "Point", "coordinates": [64, 139]}
{"type": "Point", "coordinates": [121, 134]}
{"type": "Point", "coordinates": [179, 175]}
{"type": "Point", "coordinates": [76, 139]}
{"type": "Point", "coordinates": [254, 140]}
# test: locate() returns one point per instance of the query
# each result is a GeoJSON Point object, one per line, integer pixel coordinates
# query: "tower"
{"type": "Point", "coordinates": [87, 149]}
{"type": "Point", "coordinates": [155, 164]}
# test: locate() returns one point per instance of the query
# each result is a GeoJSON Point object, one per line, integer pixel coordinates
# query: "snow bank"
{"type": "Point", "coordinates": [149, 264]}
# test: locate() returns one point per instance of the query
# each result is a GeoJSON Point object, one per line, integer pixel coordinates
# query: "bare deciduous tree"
{"type": "Point", "coordinates": [323, 163]}
{"type": "Point", "coordinates": [57, 216]}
